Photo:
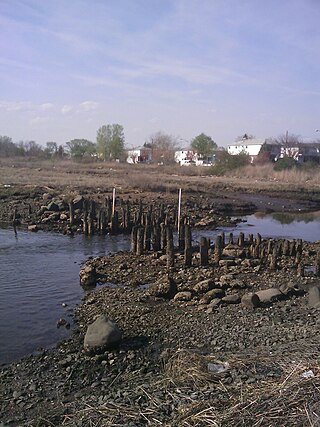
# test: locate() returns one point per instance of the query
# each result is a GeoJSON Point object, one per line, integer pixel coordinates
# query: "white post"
{"type": "Point", "coordinates": [179, 210]}
{"type": "Point", "coordinates": [113, 200]}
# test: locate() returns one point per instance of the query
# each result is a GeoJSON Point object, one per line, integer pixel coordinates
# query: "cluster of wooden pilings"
{"type": "Point", "coordinates": [123, 216]}
{"type": "Point", "coordinates": [269, 252]}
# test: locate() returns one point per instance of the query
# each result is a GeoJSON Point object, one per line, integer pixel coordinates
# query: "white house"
{"type": "Point", "coordinates": [188, 157]}
{"type": "Point", "coordinates": [250, 146]}
{"type": "Point", "coordinates": [139, 155]}
{"type": "Point", "coordinates": [185, 157]}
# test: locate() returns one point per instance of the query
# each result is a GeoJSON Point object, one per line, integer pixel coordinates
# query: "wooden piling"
{"type": "Point", "coordinates": [170, 247]}
{"type": "Point", "coordinates": [204, 251]}
{"type": "Point", "coordinates": [218, 249]}
{"type": "Point", "coordinates": [140, 235]}
{"type": "Point", "coordinates": [188, 246]}
{"type": "Point", "coordinates": [134, 235]}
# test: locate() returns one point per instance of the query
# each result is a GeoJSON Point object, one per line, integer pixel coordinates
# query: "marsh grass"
{"type": "Point", "coordinates": [285, 392]}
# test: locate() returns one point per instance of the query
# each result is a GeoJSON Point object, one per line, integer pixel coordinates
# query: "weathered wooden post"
{"type": "Point", "coordinates": [170, 247]}
{"type": "Point", "coordinates": [285, 247]}
{"type": "Point", "coordinates": [114, 223]}
{"type": "Point", "coordinates": [250, 239]}
{"type": "Point", "coordinates": [156, 238]}
{"type": "Point", "coordinates": [90, 225]}
{"type": "Point", "coordinates": [163, 237]}
{"type": "Point", "coordinates": [113, 201]}
{"type": "Point", "coordinates": [300, 269]}
{"type": "Point", "coordinates": [317, 269]}
{"type": "Point", "coordinates": [140, 235]}
{"type": "Point", "coordinates": [181, 236]}
{"type": "Point", "coordinates": [188, 246]}
{"type": "Point", "coordinates": [218, 249]}
{"type": "Point", "coordinates": [292, 248]}
{"type": "Point", "coordinates": [223, 239]}
{"type": "Point", "coordinates": [179, 211]}
{"type": "Point", "coordinates": [299, 246]}
{"type": "Point", "coordinates": [241, 240]}
{"type": "Point", "coordinates": [258, 239]}
{"type": "Point", "coordinates": [85, 223]}
{"type": "Point", "coordinates": [71, 212]}
{"type": "Point", "coordinates": [134, 235]}
{"type": "Point", "coordinates": [273, 259]}
{"type": "Point", "coordinates": [204, 251]}
{"type": "Point", "coordinates": [102, 221]}
{"type": "Point", "coordinates": [147, 234]}
{"type": "Point", "coordinates": [230, 239]}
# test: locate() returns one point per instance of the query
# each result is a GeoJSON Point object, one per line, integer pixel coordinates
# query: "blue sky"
{"type": "Point", "coordinates": [183, 67]}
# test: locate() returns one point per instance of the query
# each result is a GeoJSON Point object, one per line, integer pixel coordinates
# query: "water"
{"type": "Point", "coordinates": [40, 271]}
{"type": "Point", "coordinates": [304, 226]}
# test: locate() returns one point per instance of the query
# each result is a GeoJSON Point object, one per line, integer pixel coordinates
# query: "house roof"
{"type": "Point", "coordinates": [251, 141]}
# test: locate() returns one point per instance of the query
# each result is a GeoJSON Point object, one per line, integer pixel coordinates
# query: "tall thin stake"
{"type": "Point", "coordinates": [113, 200]}
{"type": "Point", "coordinates": [179, 210]}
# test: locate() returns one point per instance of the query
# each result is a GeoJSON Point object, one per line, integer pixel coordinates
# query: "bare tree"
{"type": "Point", "coordinates": [163, 147]}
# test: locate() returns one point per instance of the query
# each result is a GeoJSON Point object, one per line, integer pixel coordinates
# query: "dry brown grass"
{"type": "Point", "coordinates": [292, 176]}
{"type": "Point", "coordinates": [292, 398]}
{"type": "Point", "coordinates": [149, 178]}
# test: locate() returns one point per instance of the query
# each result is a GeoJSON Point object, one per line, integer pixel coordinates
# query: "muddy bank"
{"type": "Point", "coordinates": [68, 212]}
{"type": "Point", "coordinates": [164, 369]}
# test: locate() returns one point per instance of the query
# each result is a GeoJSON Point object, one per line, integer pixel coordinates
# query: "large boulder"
{"type": "Point", "coordinates": [314, 297]}
{"type": "Point", "coordinates": [250, 300]}
{"type": "Point", "coordinates": [183, 296]}
{"type": "Point", "coordinates": [268, 296]}
{"type": "Point", "coordinates": [88, 276]}
{"type": "Point", "coordinates": [164, 288]}
{"type": "Point", "coordinates": [204, 286]}
{"type": "Point", "coordinates": [101, 335]}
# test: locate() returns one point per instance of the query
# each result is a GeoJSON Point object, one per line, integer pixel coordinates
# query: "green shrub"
{"type": "Point", "coordinates": [226, 162]}
{"type": "Point", "coordinates": [284, 163]}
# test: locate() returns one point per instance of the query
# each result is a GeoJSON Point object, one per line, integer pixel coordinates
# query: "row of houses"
{"type": "Point", "coordinates": [272, 150]}
{"type": "Point", "coordinates": [254, 147]}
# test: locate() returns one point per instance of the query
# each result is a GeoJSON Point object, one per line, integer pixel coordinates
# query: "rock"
{"type": "Point", "coordinates": [250, 300]}
{"type": "Point", "coordinates": [227, 263]}
{"type": "Point", "coordinates": [204, 286]}
{"type": "Point", "coordinates": [225, 279]}
{"type": "Point", "coordinates": [88, 276]}
{"type": "Point", "coordinates": [63, 217]}
{"type": "Point", "coordinates": [291, 289]}
{"type": "Point", "coordinates": [101, 335]}
{"type": "Point", "coordinates": [33, 228]}
{"type": "Point", "coordinates": [234, 251]}
{"type": "Point", "coordinates": [267, 296]}
{"type": "Point", "coordinates": [216, 293]}
{"type": "Point", "coordinates": [164, 288]}
{"type": "Point", "coordinates": [215, 302]}
{"type": "Point", "coordinates": [52, 206]}
{"type": "Point", "coordinates": [183, 296]}
{"type": "Point", "coordinates": [314, 297]}
{"type": "Point", "coordinates": [231, 299]}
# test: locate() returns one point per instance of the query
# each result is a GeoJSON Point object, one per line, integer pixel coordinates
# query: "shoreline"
{"type": "Point", "coordinates": [168, 345]}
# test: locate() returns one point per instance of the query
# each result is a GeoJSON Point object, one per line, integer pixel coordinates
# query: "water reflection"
{"type": "Point", "coordinates": [289, 217]}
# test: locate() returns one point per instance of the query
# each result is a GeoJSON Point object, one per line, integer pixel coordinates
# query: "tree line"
{"type": "Point", "coordinates": [109, 146]}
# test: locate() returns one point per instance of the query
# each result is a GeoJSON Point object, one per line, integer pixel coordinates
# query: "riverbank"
{"type": "Point", "coordinates": [164, 370]}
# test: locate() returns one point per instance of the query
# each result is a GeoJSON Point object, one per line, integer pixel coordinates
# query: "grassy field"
{"type": "Point", "coordinates": [151, 178]}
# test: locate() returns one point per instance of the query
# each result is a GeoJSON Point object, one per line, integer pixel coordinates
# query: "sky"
{"type": "Point", "coordinates": [183, 67]}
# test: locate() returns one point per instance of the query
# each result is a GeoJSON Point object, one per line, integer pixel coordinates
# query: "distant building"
{"type": "Point", "coordinates": [139, 155]}
{"type": "Point", "coordinates": [250, 146]}
{"type": "Point", "coordinates": [187, 157]}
